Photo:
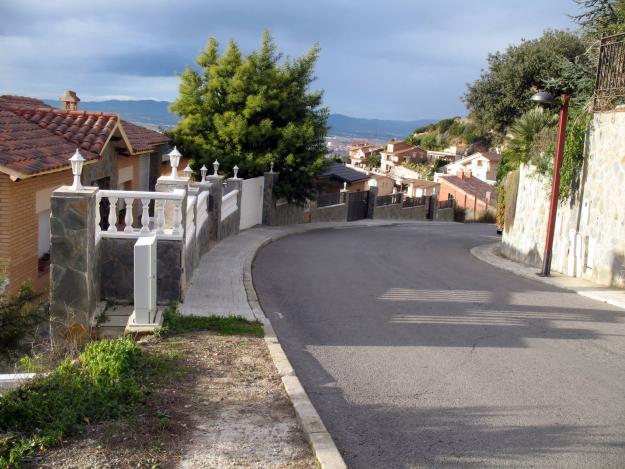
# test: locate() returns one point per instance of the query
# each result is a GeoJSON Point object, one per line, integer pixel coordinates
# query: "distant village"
{"type": "Point", "coordinates": [466, 173]}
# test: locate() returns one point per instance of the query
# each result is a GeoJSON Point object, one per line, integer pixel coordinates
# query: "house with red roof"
{"type": "Point", "coordinates": [36, 142]}
{"type": "Point", "coordinates": [470, 193]}
{"type": "Point", "coordinates": [398, 152]}
{"type": "Point", "coordinates": [482, 165]}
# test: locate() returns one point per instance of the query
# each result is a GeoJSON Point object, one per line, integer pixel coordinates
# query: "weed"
{"type": "Point", "coordinates": [104, 383]}
{"type": "Point", "coordinates": [175, 323]}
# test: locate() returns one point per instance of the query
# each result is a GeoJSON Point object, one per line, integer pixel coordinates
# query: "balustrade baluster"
{"type": "Point", "coordinates": [160, 216]}
{"type": "Point", "coordinates": [177, 229]}
{"type": "Point", "coordinates": [112, 214]}
{"type": "Point", "coordinates": [98, 200]}
{"type": "Point", "coordinates": [128, 219]}
{"type": "Point", "coordinates": [145, 216]}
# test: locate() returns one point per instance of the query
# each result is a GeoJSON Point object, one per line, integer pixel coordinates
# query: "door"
{"type": "Point", "coordinates": [357, 203]}
{"type": "Point", "coordinates": [252, 202]}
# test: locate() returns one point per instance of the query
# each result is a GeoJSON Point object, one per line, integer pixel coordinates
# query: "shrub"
{"type": "Point", "coordinates": [20, 314]}
{"type": "Point", "coordinates": [103, 383]}
{"type": "Point", "coordinates": [460, 214]}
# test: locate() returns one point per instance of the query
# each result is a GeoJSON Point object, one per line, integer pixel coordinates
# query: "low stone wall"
{"type": "Point", "coordinates": [444, 214]}
{"type": "Point", "coordinates": [589, 239]}
{"type": "Point", "coordinates": [336, 212]}
{"type": "Point", "coordinates": [397, 212]}
{"type": "Point", "coordinates": [117, 270]}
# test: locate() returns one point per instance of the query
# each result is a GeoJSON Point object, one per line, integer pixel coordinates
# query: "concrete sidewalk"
{"type": "Point", "coordinates": [491, 254]}
{"type": "Point", "coordinates": [217, 286]}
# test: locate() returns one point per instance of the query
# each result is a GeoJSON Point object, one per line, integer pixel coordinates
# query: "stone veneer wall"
{"type": "Point", "coordinates": [589, 239]}
{"type": "Point", "coordinates": [336, 212]}
{"type": "Point", "coordinates": [117, 270]}
{"type": "Point", "coordinates": [397, 212]}
{"type": "Point", "coordinates": [444, 214]}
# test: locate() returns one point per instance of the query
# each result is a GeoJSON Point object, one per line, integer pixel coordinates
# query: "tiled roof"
{"type": "Point", "coordinates": [345, 174]}
{"type": "Point", "coordinates": [87, 130]}
{"type": "Point", "coordinates": [35, 138]}
{"type": "Point", "coordinates": [491, 156]}
{"type": "Point", "coordinates": [471, 186]}
{"type": "Point", "coordinates": [143, 139]}
{"type": "Point", "coordinates": [27, 148]}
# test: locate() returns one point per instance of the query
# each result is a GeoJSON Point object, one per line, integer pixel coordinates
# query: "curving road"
{"type": "Point", "coordinates": [416, 354]}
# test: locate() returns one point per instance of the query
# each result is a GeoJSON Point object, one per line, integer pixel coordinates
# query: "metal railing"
{"type": "Point", "coordinates": [388, 199]}
{"type": "Point", "coordinates": [413, 202]}
{"type": "Point", "coordinates": [610, 83]}
{"type": "Point", "coordinates": [326, 200]}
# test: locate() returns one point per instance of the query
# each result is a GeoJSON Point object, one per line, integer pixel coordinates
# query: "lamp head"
{"type": "Point", "coordinates": [543, 97]}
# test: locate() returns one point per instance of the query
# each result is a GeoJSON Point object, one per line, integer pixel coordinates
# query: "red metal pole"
{"type": "Point", "coordinates": [555, 188]}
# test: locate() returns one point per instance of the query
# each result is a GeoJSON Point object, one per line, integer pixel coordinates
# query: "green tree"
{"type": "Point", "coordinates": [249, 110]}
{"type": "Point", "coordinates": [601, 17]}
{"type": "Point", "coordinates": [523, 132]}
{"type": "Point", "coordinates": [502, 92]}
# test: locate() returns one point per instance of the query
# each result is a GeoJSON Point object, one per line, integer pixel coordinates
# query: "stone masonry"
{"type": "Point", "coordinates": [589, 237]}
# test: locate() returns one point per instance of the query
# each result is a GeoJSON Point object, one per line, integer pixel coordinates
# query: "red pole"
{"type": "Point", "coordinates": [555, 188]}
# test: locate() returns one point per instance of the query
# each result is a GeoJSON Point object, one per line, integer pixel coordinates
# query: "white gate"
{"type": "Point", "coordinates": [252, 202]}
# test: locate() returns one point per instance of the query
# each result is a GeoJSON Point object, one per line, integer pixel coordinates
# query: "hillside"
{"type": "Point", "coordinates": [156, 114]}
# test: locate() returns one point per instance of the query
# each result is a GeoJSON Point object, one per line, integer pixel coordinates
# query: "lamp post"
{"type": "Point", "coordinates": [188, 172]}
{"type": "Point", "coordinates": [203, 171]}
{"type": "Point", "coordinates": [215, 167]}
{"type": "Point", "coordinates": [174, 161]}
{"type": "Point", "coordinates": [77, 162]}
{"type": "Point", "coordinates": [546, 98]}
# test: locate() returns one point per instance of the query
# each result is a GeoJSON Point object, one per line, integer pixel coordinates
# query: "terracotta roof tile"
{"type": "Point", "coordinates": [143, 139]}
{"type": "Point", "coordinates": [26, 148]}
{"type": "Point", "coordinates": [35, 137]}
{"type": "Point", "coordinates": [470, 185]}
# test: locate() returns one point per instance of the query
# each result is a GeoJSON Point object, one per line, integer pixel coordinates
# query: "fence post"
{"type": "Point", "coordinates": [271, 179]}
{"type": "Point", "coordinates": [74, 256]}
{"type": "Point", "coordinates": [373, 195]}
{"type": "Point", "coordinates": [216, 194]}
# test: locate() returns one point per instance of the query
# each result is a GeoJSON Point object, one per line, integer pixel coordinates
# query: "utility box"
{"type": "Point", "coordinates": [145, 316]}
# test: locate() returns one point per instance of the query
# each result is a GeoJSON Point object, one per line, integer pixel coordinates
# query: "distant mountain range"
{"type": "Point", "coordinates": [156, 114]}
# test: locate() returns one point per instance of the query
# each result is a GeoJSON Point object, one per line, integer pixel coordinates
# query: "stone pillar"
{"type": "Point", "coordinates": [373, 195]}
{"type": "Point", "coordinates": [166, 184]}
{"type": "Point", "coordinates": [216, 194]}
{"type": "Point", "coordinates": [271, 179]}
{"type": "Point", "coordinates": [203, 232]}
{"type": "Point", "coordinates": [233, 184]}
{"type": "Point", "coordinates": [74, 256]}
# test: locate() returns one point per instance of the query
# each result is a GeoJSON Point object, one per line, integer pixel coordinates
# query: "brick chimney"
{"type": "Point", "coordinates": [69, 101]}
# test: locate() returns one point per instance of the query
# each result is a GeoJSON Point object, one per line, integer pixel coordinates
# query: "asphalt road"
{"type": "Point", "coordinates": [416, 354]}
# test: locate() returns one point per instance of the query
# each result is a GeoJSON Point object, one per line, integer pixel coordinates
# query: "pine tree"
{"type": "Point", "coordinates": [250, 110]}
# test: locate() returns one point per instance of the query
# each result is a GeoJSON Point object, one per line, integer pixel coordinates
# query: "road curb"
{"type": "Point", "coordinates": [322, 444]}
{"type": "Point", "coordinates": [489, 253]}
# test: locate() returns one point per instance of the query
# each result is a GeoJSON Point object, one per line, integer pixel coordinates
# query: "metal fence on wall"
{"type": "Point", "coordinates": [610, 84]}
{"type": "Point", "coordinates": [388, 199]}
{"type": "Point", "coordinates": [325, 200]}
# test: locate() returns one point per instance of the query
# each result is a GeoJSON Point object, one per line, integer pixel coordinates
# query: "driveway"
{"type": "Point", "coordinates": [416, 354]}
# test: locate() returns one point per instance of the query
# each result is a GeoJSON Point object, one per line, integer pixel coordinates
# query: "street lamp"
{"type": "Point", "coordinates": [203, 171]}
{"type": "Point", "coordinates": [215, 167]}
{"type": "Point", "coordinates": [542, 97]}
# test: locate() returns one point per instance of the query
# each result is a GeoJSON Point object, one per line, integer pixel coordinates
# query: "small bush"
{"type": "Point", "coordinates": [103, 383]}
{"type": "Point", "coordinates": [460, 214]}
{"type": "Point", "coordinates": [486, 217]}
{"type": "Point", "coordinates": [175, 323]}
{"type": "Point", "coordinates": [20, 314]}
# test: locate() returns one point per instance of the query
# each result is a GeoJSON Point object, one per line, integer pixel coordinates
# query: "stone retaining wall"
{"type": "Point", "coordinates": [117, 270]}
{"type": "Point", "coordinates": [336, 212]}
{"type": "Point", "coordinates": [397, 212]}
{"type": "Point", "coordinates": [589, 239]}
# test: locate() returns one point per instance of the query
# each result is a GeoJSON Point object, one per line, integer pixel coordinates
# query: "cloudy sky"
{"type": "Point", "coordinates": [391, 59]}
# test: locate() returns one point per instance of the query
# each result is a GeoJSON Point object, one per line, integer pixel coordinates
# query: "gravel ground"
{"type": "Point", "coordinates": [226, 408]}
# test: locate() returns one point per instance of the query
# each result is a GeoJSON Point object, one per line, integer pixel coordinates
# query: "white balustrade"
{"type": "Point", "coordinates": [229, 204]}
{"type": "Point", "coordinates": [159, 225]}
{"type": "Point", "coordinates": [190, 218]}
{"type": "Point", "coordinates": [201, 210]}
